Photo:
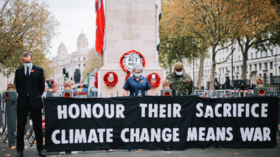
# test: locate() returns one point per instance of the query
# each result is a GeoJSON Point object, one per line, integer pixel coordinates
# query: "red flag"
{"type": "Point", "coordinates": [100, 24]}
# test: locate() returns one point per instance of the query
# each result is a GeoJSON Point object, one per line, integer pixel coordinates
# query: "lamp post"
{"type": "Point", "coordinates": [232, 64]}
{"type": "Point", "coordinates": [276, 68]}
{"type": "Point", "coordinates": [193, 57]}
{"type": "Point", "coordinates": [264, 75]}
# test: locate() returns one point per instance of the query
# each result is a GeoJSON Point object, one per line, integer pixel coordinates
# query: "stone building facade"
{"type": "Point", "coordinates": [71, 61]}
{"type": "Point", "coordinates": [258, 64]}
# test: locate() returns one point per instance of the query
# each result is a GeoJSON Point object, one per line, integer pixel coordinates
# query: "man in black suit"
{"type": "Point", "coordinates": [30, 85]}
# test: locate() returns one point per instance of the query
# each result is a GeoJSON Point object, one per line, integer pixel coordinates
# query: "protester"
{"type": "Point", "coordinates": [180, 81]}
{"type": "Point", "coordinates": [137, 84]}
{"type": "Point", "coordinates": [242, 88]}
{"type": "Point", "coordinates": [30, 85]}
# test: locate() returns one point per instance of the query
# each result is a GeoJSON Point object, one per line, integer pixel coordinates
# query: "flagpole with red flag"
{"type": "Point", "coordinates": [100, 27]}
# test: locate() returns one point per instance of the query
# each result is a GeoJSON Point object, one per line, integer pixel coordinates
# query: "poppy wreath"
{"type": "Point", "coordinates": [95, 82]}
{"type": "Point", "coordinates": [157, 83]}
{"type": "Point", "coordinates": [132, 51]}
{"type": "Point", "coordinates": [114, 82]}
{"type": "Point", "coordinates": [127, 76]}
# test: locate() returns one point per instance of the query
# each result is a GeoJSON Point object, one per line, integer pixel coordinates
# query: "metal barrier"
{"type": "Point", "coordinates": [8, 108]}
{"type": "Point", "coordinates": [11, 98]}
{"type": "Point", "coordinates": [3, 119]}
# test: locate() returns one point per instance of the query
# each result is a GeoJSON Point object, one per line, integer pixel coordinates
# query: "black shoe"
{"type": "Point", "coordinates": [19, 154]}
{"type": "Point", "coordinates": [42, 153]}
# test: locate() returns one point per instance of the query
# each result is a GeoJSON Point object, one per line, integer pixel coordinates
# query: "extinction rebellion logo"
{"type": "Point", "coordinates": [130, 58]}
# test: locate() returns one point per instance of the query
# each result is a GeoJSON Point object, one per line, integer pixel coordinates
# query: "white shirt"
{"type": "Point", "coordinates": [30, 68]}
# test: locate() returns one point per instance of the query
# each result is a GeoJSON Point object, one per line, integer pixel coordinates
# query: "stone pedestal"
{"type": "Point", "coordinates": [130, 25]}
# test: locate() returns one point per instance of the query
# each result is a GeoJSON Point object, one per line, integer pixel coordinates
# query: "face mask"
{"type": "Point", "coordinates": [137, 74]}
{"type": "Point", "coordinates": [27, 65]}
{"type": "Point", "coordinates": [179, 73]}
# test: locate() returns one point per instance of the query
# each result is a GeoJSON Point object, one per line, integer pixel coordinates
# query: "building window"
{"type": "Point", "coordinates": [84, 58]}
{"type": "Point", "coordinates": [271, 51]}
{"type": "Point", "coordinates": [79, 65]}
{"type": "Point", "coordinates": [256, 67]}
{"type": "Point", "coordinates": [79, 58]}
{"type": "Point", "coordinates": [252, 56]}
{"type": "Point", "coordinates": [256, 54]}
{"type": "Point", "coordinates": [237, 69]}
{"type": "Point", "coordinates": [265, 66]}
{"type": "Point", "coordinates": [250, 68]}
{"type": "Point", "coordinates": [84, 65]}
{"type": "Point", "coordinates": [238, 57]}
{"type": "Point", "coordinates": [260, 65]}
{"type": "Point", "coordinates": [271, 65]}
{"type": "Point", "coordinates": [233, 69]}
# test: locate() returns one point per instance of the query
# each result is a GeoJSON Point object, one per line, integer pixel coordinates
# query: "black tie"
{"type": "Point", "coordinates": [27, 73]}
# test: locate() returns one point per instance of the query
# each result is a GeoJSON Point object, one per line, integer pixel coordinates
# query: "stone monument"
{"type": "Point", "coordinates": [130, 26]}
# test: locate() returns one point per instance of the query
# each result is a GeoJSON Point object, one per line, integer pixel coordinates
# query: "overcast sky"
{"type": "Point", "coordinates": [74, 16]}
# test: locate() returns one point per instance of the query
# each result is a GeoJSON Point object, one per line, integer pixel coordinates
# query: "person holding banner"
{"type": "Point", "coordinates": [30, 85]}
{"type": "Point", "coordinates": [137, 84]}
{"type": "Point", "coordinates": [180, 81]}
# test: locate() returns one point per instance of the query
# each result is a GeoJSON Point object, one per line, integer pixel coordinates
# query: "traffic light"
{"type": "Point", "coordinates": [77, 75]}
{"type": "Point", "coordinates": [67, 74]}
{"type": "Point", "coordinates": [64, 71]}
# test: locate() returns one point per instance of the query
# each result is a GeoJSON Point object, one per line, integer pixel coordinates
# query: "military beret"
{"type": "Point", "coordinates": [178, 66]}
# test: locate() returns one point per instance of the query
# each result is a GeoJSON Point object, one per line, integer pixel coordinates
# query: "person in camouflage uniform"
{"type": "Point", "coordinates": [180, 81]}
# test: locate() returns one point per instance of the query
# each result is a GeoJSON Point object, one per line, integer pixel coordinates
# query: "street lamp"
{"type": "Point", "coordinates": [276, 68]}
{"type": "Point", "coordinates": [193, 57]}
{"type": "Point", "coordinates": [275, 64]}
{"type": "Point", "coordinates": [264, 75]}
{"type": "Point", "coordinates": [232, 49]}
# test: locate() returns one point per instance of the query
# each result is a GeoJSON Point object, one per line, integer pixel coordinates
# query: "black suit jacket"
{"type": "Point", "coordinates": [34, 86]}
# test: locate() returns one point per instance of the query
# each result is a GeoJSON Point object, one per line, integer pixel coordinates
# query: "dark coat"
{"type": "Point", "coordinates": [34, 86]}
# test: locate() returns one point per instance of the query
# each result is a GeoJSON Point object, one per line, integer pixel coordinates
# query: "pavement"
{"type": "Point", "coordinates": [5, 151]}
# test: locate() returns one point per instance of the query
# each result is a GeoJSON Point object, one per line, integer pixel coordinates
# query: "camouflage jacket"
{"type": "Point", "coordinates": [181, 84]}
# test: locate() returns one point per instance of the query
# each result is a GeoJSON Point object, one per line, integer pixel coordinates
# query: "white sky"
{"type": "Point", "coordinates": [73, 17]}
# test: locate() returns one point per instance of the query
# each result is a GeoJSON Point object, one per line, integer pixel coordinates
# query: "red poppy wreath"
{"type": "Point", "coordinates": [157, 83]}
{"type": "Point", "coordinates": [107, 82]}
{"type": "Point", "coordinates": [127, 53]}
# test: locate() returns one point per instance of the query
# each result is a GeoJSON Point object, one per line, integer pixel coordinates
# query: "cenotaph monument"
{"type": "Point", "coordinates": [130, 37]}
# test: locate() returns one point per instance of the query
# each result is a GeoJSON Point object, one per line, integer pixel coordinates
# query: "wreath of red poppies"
{"type": "Point", "coordinates": [127, 76]}
{"type": "Point", "coordinates": [129, 52]}
{"type": "Point", "coordinates": [95, 82]}
{"type": "Point", "coordinates": [157, 83]}
{"type": "Point", "coordinates": [107, 82]}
